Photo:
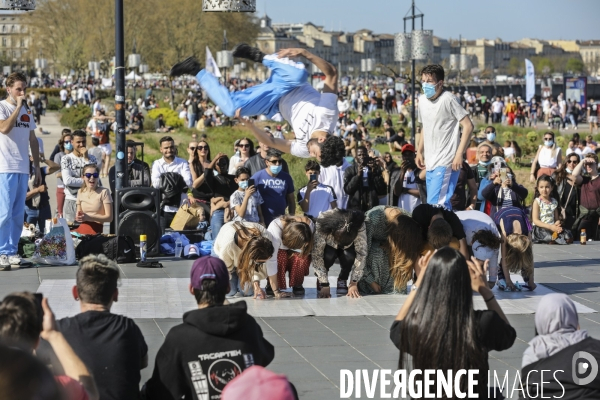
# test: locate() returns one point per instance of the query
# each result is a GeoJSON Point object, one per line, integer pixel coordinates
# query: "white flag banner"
{"type": "Point", "coordinates": [529, 80]}
{"type": "Point", "coordinates": [211, 64]}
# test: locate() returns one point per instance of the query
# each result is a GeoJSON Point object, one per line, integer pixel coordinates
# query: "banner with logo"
{"type": "Point", "coordinates": [529, 80]}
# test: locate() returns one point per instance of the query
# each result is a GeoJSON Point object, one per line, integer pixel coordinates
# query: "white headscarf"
{"type": "Point", "coordinates": [557, 324]}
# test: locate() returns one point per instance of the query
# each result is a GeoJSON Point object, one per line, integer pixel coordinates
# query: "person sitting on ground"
{"type": "Point", "coordinates": [556, 346]}
{"type": "Point", "coordinates": [517, 249]}
{"type": "Point", "coordinates": [503, 191]}
{"type": "Point", "coordinates": [160, 126]}
{"type": "Point", "coordinates": [245, 202]}
{"type": "Point", "coordinates": [110, 345]}
{"type": "Point", "coordinates": [546, 214]}
{"type": "Point", "coordinates": [394, 241]}
{"type": "Point", "coordinates": [394, 140]}
{"type": "Point", "coordinates": [258, 383]}
{"type": "Point", "coordinates": [315, 198]}
{"type": "Point", "coordinates": [24, 318]}
{"type": "Point", "coordinates": [589, 208]}
{"type": "Point", "coordinates": [313, 115]}
{"type": "Point", "coordinates": [469, 334]}
{"type": "Point", "coordinates": [340, 234]}
{"type": "Point", "coordinates": [245, 247]}
{"type": "Point", "coordinates": [216, 333]}
{"type": "Point", "coordinates": [94, 203]}
{"type": "Point", "coordinates": [427, 214]}
{"type": "Point", "coordinates": [566, 184]}
{"type": "Point", "coordinates": [292, 251]}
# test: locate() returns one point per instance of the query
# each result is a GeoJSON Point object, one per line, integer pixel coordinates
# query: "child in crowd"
{"type": "Point", "coordinates": [503, 191]}
{"type": "Point", "coordinates": [545, 214]}
{"type": "Point", "coordinates": [246, 201]}
{"type": "Point", "coordinates": [315, 197]}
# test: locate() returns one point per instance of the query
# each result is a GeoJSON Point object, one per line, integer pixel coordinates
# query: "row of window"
{"type": "Point", "coordinates": [12, 42]}
{"type": "Point", "coordinates": [13, 29]}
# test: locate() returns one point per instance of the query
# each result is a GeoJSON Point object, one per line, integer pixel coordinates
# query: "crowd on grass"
{"type": "Point", "coordinates": [392, 224]}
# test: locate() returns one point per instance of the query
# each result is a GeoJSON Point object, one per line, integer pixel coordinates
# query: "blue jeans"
{"type": "Point", "coordinates": [234, 283]}
{"type": "Point", "coordinates": [12, 210]}
{"type": "Point", "coordinates": [39, 216]}
{"type": "Point", "coordinates": [191, 121]}
{"type": "Point", "coordinates": [216, 222]}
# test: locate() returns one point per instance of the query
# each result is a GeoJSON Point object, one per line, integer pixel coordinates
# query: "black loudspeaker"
{"type": "Point", "coordinates": [139, 214]}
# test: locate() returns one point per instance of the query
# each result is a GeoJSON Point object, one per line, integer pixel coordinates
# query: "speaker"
{"type": "Point", "coordinates": [139, 214]}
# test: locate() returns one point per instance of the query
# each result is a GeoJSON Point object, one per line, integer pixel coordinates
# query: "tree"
{"type": "Point", "coordinates": [575, 65]}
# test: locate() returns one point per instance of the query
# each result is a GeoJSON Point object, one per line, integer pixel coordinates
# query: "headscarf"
{"type": "Point", "coordinates": [556, 323]}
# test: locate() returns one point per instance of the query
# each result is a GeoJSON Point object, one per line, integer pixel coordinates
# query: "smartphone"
{"type": "Point", "coordinates": [250, 182]}
{"type": "Point", "coordinates": [38, 303]}
{"type": "Point", "coordinates": [313, 177]}
{"type": "Point", "coordinates": [503, 172]}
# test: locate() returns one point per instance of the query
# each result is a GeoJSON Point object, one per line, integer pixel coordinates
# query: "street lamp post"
{"type": "Point", "coordinates": [134, 61]}
{"type": "Point", "coordinates": [120, 162]}
{"type": "Point", "coordinates": [225, 58]}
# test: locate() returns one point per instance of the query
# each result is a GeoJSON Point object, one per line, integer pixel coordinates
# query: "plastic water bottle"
{"type": "Point", "coordinates": [583, 237]}
{"type": "Point", "coordinates": [142, 248]}
{"type": "Point", "coordinates": [178, 248]}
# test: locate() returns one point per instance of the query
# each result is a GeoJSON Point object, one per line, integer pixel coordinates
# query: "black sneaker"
{"type": "Point", "coordinates": [342, 287]}
{"type": "Point", "coordinates": [189, 66]}
{"type": "Point", "coordinates": [269, 289]}
{"type": "Point", "coordinates": [318, 286]}
{"type": "Point", "coordinates": [298, 290]}
{"type": "Point", "coordinates": [243, 50]}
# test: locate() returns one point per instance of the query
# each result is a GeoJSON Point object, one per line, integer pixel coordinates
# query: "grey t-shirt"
{"type": "Point", "coordinates": [237, 198]}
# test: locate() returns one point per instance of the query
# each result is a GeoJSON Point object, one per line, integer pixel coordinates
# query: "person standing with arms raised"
{"type": "Point", "coordinates": [17, 135]}
{"type": "Point", "coordinates": [441, 147]}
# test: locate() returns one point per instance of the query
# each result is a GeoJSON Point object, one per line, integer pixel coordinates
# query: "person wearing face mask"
{"type": "Point", "coordinates": [548, 157]}
{"type": "Point", "coordinates": [276, 188]}
{"type": "Point", "coordinates": [566, 184]}
{"type": "Point", "coordinates": [246, 201]}
{"type": "Point", "coordinates": [441, 147]}
{"type": "Point", "coordinates": [490, 136]}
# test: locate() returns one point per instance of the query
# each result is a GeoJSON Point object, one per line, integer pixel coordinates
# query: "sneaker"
{"type": "Point", "coordinates": [189, 66]}
{"type": "Point", "coordinates": [243, 50]}
{"type": "Point", "coordinates": [298, 290]}
{"type": "Point", "coordinates": [342, 287]}
{"type": "Point", "coordinates": [4, 263]}
{"type": "Point", "coordinates": [15, 259]}
{"type": "Point", "coordinates": [269, 289]}
{"type": "Point", "coordinates": [319, 287]}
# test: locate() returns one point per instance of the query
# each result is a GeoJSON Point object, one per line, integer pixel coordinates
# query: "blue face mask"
{"type": "Point", "coordinates": [429, 89]}
{"type": "Point", "coordinates": [243, 185]}
{"type": "Point", "coordinates": [491, 137]}
{"type": "Point", "coordinates": [548, 143]}
{"type": "Point", "coordinates": [68, 146]}
{"type": "Point", "coordinates": [275, 169]}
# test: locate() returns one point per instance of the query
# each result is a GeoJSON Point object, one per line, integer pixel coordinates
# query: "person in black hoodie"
{"type": "Point", "coordinates": [562, 350]}
{"type": "Point", "coordinates": [214, 344]}
{"type": "Point", "coordinates": [363, 182]}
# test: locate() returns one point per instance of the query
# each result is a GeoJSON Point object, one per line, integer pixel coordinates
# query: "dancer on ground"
{"type": "Point", "coordinates": [426, 214]}
{"type": "Point", "coordinates": [441, 147]}
{"type": "Point", "coordinates": [394, 242]}
{"type": "Point", "coordinates": [340, 234]}
{"type": "Point", "coordinates": [468, 335]}
{"type": "Point", "coordinates": [313, 115]}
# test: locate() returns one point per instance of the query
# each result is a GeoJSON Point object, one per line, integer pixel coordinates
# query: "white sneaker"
{"type": "Point", "coordinates": [4, 263]}
{"type": "Point", "coordinates": [15, 259]}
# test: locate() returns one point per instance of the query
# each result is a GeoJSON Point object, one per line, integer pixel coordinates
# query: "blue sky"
{"type": "Point", "coordinates": [507, 19]}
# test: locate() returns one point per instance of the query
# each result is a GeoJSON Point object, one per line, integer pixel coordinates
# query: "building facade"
{"type": "Point", "coordinates": [14, 41]}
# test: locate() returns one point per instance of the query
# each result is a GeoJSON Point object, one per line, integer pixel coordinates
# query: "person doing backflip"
{"type": "Point", "coordinates": [312, 115]}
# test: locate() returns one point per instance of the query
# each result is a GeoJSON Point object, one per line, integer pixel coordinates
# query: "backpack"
{"type": "Point", "coordinates": [118, 248]}
{"type": "Point", "coordinates": [172, 186]}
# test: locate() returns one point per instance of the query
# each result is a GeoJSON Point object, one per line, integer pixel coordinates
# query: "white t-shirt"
{"type": "Point", "coordinates": [14, 147]}
{"type": "Point", "coordinates": [320, 199]}
{"type": "Point", "coordinates": [63, 95]}
{"type": "Point", "coordinates": [508, 152]}
{"type": "Point", "coordinates": [407, 201]}
{"type": "Point", "coordinates": [474, 221]}
{"type": "Point", "coordinates": [497, 106]}
{"type": "Point", "coordinates": [334, 176]}
{"type": "Point", "coordinates": [441, 129]}
{"type": "Point", "coordinates": [308, 111]}
{"type": "Point", "coordinates": [546, 159]}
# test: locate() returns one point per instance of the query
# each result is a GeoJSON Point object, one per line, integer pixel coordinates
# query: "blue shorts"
{"type": "Point", "coordinates": [441, 183]}
{"type": "Point", "coordinates": [286, 75]}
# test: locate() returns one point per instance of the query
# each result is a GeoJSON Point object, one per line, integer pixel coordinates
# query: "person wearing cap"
{"type": "Point", "coordinates": [483, 239]}
{"type": "Point", "coordinates": [408, 183]}
{"type": "Point", "coordinates": [214, 344]}
{"type": "Point", "coordinates": [442, 144]}
{"type": "Point", "coordinates": [258, 383]}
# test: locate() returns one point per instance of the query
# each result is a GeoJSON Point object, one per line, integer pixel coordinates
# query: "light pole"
{"type": "Point", "coordinates": [120, 162]}
{"type": "Point", "coordinates": [134, 60]}
{"type": "Point", "coordinates": [225, 58]}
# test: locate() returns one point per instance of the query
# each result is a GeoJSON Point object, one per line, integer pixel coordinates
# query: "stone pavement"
{"type": "Point", "coordinates": [311, 350]}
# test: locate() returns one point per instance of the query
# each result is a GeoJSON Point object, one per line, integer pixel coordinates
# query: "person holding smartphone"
{"type": "Point", "coordinates": [363, 182]}
{"type": "Point", "coordinates": [315, 197]}
{"type": "Point", "coordinates": [245, 202]}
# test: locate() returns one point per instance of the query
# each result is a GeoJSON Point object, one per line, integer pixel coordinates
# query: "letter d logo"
{"type": "Point", "coordinates": [583, 367]}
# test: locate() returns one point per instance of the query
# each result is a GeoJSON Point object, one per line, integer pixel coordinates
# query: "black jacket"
{"type": "Point", "coordinates": [210, 348]}
{"type": "Point", "coordinates": [172, 186]}
{"type": "Point", "coordinates": [363, 198]}
{"type": "Point", "coordinates": [493, 194]}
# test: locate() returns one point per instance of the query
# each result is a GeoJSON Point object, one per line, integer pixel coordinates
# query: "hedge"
{"type": "Point", "coordinates": [171, 117]}
{"type": "Point", "coordinates": [76, 117]}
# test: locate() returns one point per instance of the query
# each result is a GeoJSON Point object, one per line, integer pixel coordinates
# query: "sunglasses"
{"type": "Point", "coordinates": [88, 175]}
{"type": "Point", "coordinates": [276, 162]}
{"type": "Point", "coordinates": [67, 141]}
{"type": "Point", "coordinates": [202, 147]}
{"type": "Point", "coordinates": [244, 145]}
{"type": "Point", "coordinates": [572, 161]}
{"type": "Point", "coordinates": [192, 148]}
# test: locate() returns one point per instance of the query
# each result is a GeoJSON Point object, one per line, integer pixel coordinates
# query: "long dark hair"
{"type": "Point", "coordinates": [343, 225]}
{"type": "Point", "coordinates": [251, 151]}
{"type": "Point", "coordinates": [196, 164]}
{"type": "Point", "coordinates": [553, 194]}
{"type": "Point", "coordinates": [444, 301]}
{"type": "Point", "coordinates": [561, 173]}
{"type": "Point", "coordinates": [257, 247]}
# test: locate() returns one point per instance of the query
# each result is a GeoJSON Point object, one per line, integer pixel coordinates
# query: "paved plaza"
{"type": "Point", "coordinates": [315, 338]}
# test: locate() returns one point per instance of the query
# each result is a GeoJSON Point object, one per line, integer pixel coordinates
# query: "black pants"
{"type": "Point", "coordinates": [165, 220]}
{"type": "Point", "coordinates": [346, 257]}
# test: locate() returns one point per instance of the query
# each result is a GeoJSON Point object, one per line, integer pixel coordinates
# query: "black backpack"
{"type": "Point", "coordinates": [118, 248]}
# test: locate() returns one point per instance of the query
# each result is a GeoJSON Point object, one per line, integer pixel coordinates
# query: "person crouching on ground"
{"type": "Point", "coordinates": [94, 203]}
{"type": "Point", "coordinates": [340, 234]}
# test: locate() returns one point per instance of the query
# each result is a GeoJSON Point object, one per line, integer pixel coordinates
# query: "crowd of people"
{"type": "Point", "coordinates": [449, 226]}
